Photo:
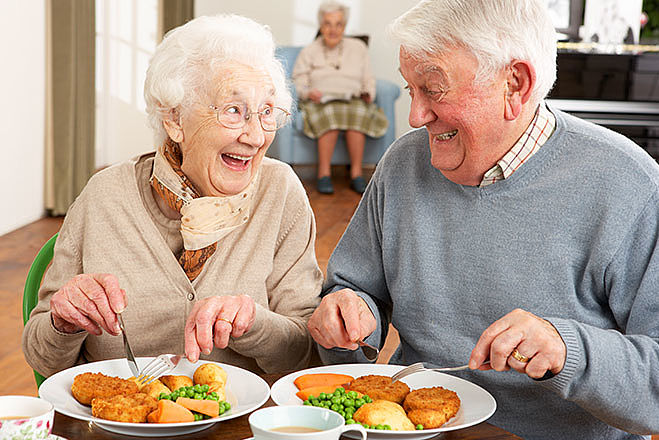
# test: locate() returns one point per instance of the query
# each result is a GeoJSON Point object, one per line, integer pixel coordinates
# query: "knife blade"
{"type": "Point", "coordinates": [130, 358]}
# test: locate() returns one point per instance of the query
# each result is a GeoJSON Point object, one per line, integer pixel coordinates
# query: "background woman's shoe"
{"type": "Point", "coordinates": [325, 186]}
{"type": "Point", "coordinates": [358, 184]}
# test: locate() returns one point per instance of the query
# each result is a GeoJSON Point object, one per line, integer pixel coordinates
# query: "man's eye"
{"type": "Point", "coordinates": [266, 111]}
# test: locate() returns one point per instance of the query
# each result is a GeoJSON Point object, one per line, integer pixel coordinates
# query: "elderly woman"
{"type": "Point", "coordinates": [206, 247]}
{"type": "Point", "coordinates": [336, 87]}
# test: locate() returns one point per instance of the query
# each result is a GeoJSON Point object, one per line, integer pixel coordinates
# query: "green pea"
{"type": "Point", "coordinates": [348, 403]}
{"type": "Point", "coordinates": [205, 388]}
{"type": "Point", "coordinates": [367, 399]}
{"type": "Point", "coordinates": [419, 427]}
{"type": "Point", "coordinates": [335, 407]}
{"type": "Point", "coordinates": [198, 396]}
{"type": "Point", "coordinates": [336, 399]}
{"type": "Point", "coordinates": [359, 403]}
{"type": "Point", "coordinates": [306, 402]}
{"type": "Point", "coordinates": [350, 421]}
{"type": "Point", "coordinates": [337, 393]}
{"type": "Point", "coordinates": [352, 394]}
{"type": "Point", "coordinates": [366, 426]}
{"type": "Point", "coordinates": [343, 413]}
{"type": "Point", "coordinates": [174, 396]}
{"type": "Point", "coordinates": [222, 410]}
{"type": "Point", "coordinates": [197, 388]}
{"type": "Point", "coordinates": [387, 427]}
{"type": "Point", "coordinates": [227, 406]}
{"type": "Point", "coordinates": [322, 396]}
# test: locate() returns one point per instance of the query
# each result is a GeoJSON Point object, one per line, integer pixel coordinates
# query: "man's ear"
{"type": "Point", "coordinates": [172, 124]}
{"type": "Point", "coordinates": [520, 82]}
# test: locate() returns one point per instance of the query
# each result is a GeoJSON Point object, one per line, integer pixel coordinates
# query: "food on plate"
{"type": "Point", "coordinates": [170, 412]}
{"type": "Point", "coordinates": [344, 402]}
{"type": "Point", "coordinates": [87, 386]}
{"type": "Point", "coordinates": [203, 406]}
{"type": "Point", "coordinates": [316, 391]}
{"type": "Point", "coordinates": [122, 400]}
{"type": "Point", "coordinates": [431, 407]}
{"type": "Point", "coordinates": [208, 374]}
{"type": "Point", "coordinates": [130, 408]}
{"type": "Point", "coordinates": [155, 389]}
{"type": "Point", "coordinates": [332, 380]}
{"type": "Point", "coordinates": [380, 388]}
{"type": "Point", "coordinates": [176, 382]}
{"type": "Point", "coordinates": [384, 412]}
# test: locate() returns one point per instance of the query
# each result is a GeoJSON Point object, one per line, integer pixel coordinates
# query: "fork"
{"type": "Point", "coordinates": [418, 367]}
{"type": "Point", "coordinates": [161, 365]}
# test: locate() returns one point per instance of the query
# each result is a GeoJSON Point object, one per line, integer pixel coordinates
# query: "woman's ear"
{"type": "Point", "coordinates": [520, 82]}
{"type": "Point", "coordinates": [172, 124]}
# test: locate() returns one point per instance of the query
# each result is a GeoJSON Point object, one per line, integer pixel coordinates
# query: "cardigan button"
{"type": "Point", "coordinates": [190, 296]}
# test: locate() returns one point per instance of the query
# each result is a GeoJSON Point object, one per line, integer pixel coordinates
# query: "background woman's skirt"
{"type": "Point", "coordinates": [343, 115]}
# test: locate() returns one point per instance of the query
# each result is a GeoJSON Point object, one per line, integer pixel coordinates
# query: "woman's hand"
{"type": "Point", "coordinates": [88, 302]}
{"type": "Point", "coordinates": [315, 95]}
{"type": "Point", "coordinates": [213, 320]}
{"type": "Point", "coordinates": [524, 335]}
{"type": "Point", "coordinates": [341, 319]}
{"type": "Point", "coordinates": [366, 98]}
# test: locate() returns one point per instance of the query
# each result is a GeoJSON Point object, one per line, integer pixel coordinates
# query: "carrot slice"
{"type": "Point", "coordinates": [170, 412]}
{"type": "Point", "coordinates": [321, 379]}
{"type": "Point", "coordinates": [208, 407]}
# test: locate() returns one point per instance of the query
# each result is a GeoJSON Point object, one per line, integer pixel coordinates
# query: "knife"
{"type": "Point", "coordinates": [130, 358]}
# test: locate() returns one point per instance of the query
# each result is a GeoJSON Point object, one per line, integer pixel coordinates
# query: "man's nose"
{"type": "Point", "coordinates": [420, 112]}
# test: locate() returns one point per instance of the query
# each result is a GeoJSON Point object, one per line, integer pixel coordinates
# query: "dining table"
{"type": "Point", "coordinates": [238, 428]}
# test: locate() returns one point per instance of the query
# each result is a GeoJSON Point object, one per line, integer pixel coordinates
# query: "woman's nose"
{"type": "Point", "coordinates": [253, 133]}
{"type": "Point", "coordinates": [420, 112]}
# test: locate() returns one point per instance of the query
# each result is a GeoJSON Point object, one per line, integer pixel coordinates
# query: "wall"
{"type": "Point", "coordinates": [22, 88]}
{"type": "Point", "coordinates": [294, 22]}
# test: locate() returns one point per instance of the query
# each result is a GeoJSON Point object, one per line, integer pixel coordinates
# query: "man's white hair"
{"type": "Point", "coordinates": [186, 63]}
{"type": "Point", "coordinates": [329, 6]}
{"type": "Point", "coordinates": [495, 31]}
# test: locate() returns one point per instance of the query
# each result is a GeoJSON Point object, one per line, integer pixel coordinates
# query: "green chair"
{"type": "Point", "coordinates": [32, 284]}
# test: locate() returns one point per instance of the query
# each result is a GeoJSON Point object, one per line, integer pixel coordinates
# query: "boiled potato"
{"type": "Point", "coordinates": [208, 374]}
{"type": "Point", "coordinates": [155, 388]}
{"type": "Point", "coordinates": [176, 382]}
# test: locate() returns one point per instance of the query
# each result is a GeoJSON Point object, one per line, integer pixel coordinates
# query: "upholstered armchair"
{"type": "Point", "coordinates": [292, 146]}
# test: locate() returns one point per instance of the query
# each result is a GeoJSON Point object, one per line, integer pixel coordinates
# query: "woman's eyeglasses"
{"type": "Point", "coordinates": [237, 115]}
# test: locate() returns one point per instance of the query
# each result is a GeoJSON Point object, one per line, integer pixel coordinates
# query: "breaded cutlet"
{"type": "Point", "coordinates": [87, 386]}
{"type": "Point", "coordinates": [431, 407]}
{"type": "Point", "coordinates": [132, 408]}
{"type": "Point", "coordinates": [380, 387]}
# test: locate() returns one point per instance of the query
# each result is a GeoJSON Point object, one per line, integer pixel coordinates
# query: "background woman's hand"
{"type": "Point", "coordinates": [88, 302]}
{"type": "Point", "coordinates": [213, 320]}
{"type": "Point", "coordinates": [315, 95]}
{"type": "Point", "coordinates": [341, 319]}
{"type": "Point", "coordinates": [532, 337]}
{"type": "Point", "coordinates": [366, 98]}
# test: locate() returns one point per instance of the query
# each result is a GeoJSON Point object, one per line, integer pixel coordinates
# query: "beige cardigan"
{"type": "Point", "coordinates": [316, 68]}
{"type": "Point", "coordinates": [115, 227]}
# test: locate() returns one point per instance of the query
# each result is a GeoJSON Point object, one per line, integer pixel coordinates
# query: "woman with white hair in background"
{"type": "Point", "coordinates": [205, 243]}
{"type": "Point", "coordinates": [334, 82]}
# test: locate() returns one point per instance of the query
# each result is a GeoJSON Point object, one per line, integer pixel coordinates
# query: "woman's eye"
{"type": "Point", "coordinates": [232, 110]}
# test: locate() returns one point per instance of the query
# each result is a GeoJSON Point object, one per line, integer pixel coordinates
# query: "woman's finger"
{"type": "Point", "coordinates": [192, 350]}
{"type": "Point", "coordinates": [244, 317]}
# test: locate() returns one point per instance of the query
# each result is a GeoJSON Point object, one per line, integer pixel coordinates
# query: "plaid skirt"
{"type": "Point", "coordinates": [343, 115]}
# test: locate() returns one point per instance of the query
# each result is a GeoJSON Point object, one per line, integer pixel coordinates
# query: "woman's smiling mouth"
{"type": "Point", "coordinates": [236, 161]}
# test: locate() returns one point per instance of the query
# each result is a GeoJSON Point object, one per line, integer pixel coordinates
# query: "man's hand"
{"type": "Point", "coordinates": [521, 334]}
{"type": "Point", "coordinates": [213, 320]}
{"type": "Point", "coordinates": [341, 319]}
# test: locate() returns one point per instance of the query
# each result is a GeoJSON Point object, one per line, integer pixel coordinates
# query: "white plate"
{"type": "Point", "coordinates": [245, 391]}
{"type": "Point", "coordinates": [476, 405]}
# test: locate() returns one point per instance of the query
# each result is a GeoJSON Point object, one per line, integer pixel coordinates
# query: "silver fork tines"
{"type": "Point", "coordinates": [161, 365]}
{"type": "Point", "coordinates": [415, 368]}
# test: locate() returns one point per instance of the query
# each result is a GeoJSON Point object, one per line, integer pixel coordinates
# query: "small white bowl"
{"type": "Point", "coordinates": [25, 417]}
{"type": "Point", "coordinates": [329, 423]}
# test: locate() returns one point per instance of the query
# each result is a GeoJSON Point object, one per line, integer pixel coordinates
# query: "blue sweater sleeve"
{"type": "Point", "coordinates": [357, 264]}
{"type": "Point", "coordinates": [605, 368]}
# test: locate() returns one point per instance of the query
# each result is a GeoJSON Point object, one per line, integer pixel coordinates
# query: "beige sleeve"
{"type": "Point", "coordinates": [302, 73]}
{"type": "Point", "coordinates": [46, 349]}
{"type": "Point", "coordinates": [368, 80]}
{"type": "Point", "coordinates": [279, 339]}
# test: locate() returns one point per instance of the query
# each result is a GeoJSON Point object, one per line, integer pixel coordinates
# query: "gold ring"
{"type": "Point", "coordinates": [520, 357]}
{"type": "Point", "coordinates": [226, 320]}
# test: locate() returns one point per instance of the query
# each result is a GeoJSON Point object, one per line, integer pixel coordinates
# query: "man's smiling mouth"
{"type": "Point", "coordinates": [446, 136]}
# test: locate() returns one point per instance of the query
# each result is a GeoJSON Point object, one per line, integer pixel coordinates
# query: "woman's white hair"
{"type": "Point", "coordinates": [329, 6]}
{"type": "Point", "coordinates": [186, 63]}
{"type": "Point", "coordinates": [495, 31]}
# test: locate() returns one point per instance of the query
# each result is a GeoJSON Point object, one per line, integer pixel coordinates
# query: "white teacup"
{"type": "Point", "coordinates": [25, 417]}
{"type": "Point", "coordinates": [327, 425]}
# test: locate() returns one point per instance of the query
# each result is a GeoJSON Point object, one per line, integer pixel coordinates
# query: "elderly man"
{"type": "Point", "coordinates": [506, 231]}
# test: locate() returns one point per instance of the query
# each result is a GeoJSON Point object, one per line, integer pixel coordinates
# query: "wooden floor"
{"type": "Point", "coordinates": [18, 248]}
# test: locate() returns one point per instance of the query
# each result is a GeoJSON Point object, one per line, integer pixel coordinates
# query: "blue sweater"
{"type": "Point", "coordinates": [572, 236]}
